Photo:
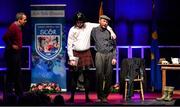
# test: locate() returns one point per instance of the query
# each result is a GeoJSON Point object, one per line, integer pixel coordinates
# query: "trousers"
{"type": "Point", "coordinates": [104, 70]}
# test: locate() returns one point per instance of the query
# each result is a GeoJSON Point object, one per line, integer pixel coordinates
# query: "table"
{"type": "Point", "coordinates": [164, 68]}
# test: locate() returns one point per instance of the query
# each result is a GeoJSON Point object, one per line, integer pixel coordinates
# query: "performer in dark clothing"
{"type": "Point", "coordinates": [105, 58]}
{"type": "Point", "coordinates": [13, 42]}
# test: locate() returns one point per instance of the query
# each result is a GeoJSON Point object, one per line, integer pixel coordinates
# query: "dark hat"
{"type": "Point", "coordinates": [79, 16]}
{"type": "Point", "coordinates": [104, 17]}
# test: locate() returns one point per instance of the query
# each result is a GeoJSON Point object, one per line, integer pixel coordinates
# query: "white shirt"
{"type": "Point", "coordinates": [79, 38]}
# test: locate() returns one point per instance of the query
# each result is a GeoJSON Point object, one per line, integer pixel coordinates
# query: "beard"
{"type": "Point", "coordinates": [104, 26]}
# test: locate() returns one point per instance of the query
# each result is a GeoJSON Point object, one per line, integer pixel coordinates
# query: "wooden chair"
{"type": "Point", "coordinates": [138, 79]}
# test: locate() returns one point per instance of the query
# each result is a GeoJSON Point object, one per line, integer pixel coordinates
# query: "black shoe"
{"type": "Point", "coordinates": [71, 100]}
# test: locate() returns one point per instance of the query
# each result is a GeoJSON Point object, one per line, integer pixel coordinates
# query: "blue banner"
{"type": "Point", "coordinates": [48, 46]}
{"type": "Point", "coordinates": [155, 54]}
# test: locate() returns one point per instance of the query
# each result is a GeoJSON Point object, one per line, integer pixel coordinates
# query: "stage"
{"type": "Point", "coordinates": [114, 99]}
{"type": "Point", "coordinates": [117, 99]}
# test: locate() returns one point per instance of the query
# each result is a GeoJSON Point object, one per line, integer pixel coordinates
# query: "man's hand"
{"type": "Point", "coordinates": [15, 47]}
{"type": "Point", "coordinates": [113, 61]}
{"type": "Point", "coordinates": [113, 37]}
{"type": "Point", "coordinates": [72, 63]}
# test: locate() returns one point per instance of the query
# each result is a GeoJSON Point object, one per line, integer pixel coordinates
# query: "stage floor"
{"type": "Point", "coordinates": [117, 99]}
{"type": "Point", "coordinates": [114, 99]}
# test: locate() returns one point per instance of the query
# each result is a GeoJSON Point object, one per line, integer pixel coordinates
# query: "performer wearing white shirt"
{"type": "Point", "coordinates": [78, 47]}
{"type": "Point", "coordinates": [79, 38]}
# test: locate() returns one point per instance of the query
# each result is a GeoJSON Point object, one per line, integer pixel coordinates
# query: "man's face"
{"type": "Point", "coordinates": [103, 23]}
{"type": "Point", "coordinates": [79, 24]}
{"type": "Point", "coordinates": [23, 20]}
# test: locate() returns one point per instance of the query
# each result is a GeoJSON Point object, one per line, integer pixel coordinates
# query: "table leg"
{"type": "Point", "coordinates": [163, 79]}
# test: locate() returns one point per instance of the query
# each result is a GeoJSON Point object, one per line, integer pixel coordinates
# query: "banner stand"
{"type": "Point", "coordinates": [48, 44]}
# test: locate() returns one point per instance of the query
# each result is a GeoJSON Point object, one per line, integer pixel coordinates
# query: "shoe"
{"type": "Point", "coordinates": [165, 94]}
{"type": "Point", "coordinates": [104, 100]}
{"type": "Point", "coordinates": [71, 100]}
{"type": "Point", "coordinates": [98, 101]}
{"type": "Point", "coordinates": [170, 94]}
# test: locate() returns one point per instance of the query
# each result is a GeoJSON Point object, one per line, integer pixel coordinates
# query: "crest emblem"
{"type": "Point", "coordinates": [48, 40]}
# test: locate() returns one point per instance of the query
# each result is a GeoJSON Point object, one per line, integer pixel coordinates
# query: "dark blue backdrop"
{"type": "Point", "coordinates": [130, 19]}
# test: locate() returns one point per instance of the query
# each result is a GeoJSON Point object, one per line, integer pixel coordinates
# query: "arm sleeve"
{"type": "Point", "coordinates": [111, 31]}
{"type": "Point", "coordinates": [70, 45]}
{"type": "Point", "coordinates": [92, 25]}
{"type": "Point", "coordinates": [6, 38]}
{"type": "Point", "coordinates": [114, 49]}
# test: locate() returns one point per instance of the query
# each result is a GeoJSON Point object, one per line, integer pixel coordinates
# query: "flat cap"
{"type": "Point", "coordinates": [104, 17]}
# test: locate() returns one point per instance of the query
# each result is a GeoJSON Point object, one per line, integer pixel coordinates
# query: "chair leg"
{"type": "Point", "coordinates": [125, 94]}
{"type": "Point", "coordinates": [142, 93]}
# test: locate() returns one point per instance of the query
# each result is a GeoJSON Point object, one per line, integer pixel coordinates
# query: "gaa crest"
{"type": "Point", "coordinates": [48, 40]}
